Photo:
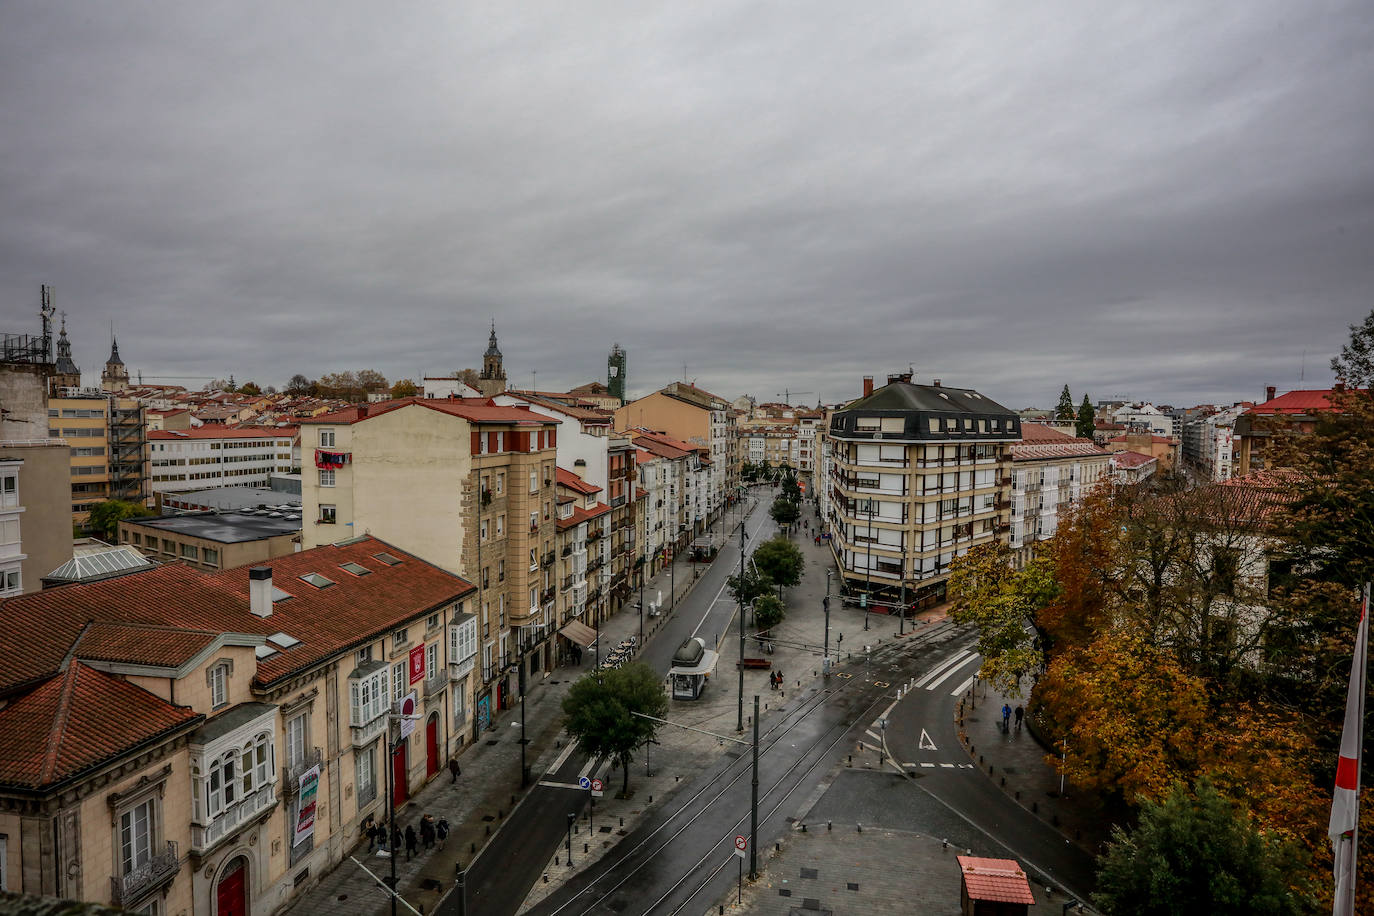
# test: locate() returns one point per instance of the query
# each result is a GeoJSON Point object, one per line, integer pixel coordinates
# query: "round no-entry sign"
{"type": "Point", "coordinates": [597, 786]}
{"type": "Point", "coordinates": [741, 843]}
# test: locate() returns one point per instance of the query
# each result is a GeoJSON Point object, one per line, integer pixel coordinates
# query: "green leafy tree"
{"type": "Point", "coordinates": [785, 511]}
{"type": "Point", "coordinates": [105, 517]}
{"type": "Point", "coordinates": [405, 388]}
{"type": "Point", "coordinates": [1195, 853]}
{"type": "Point", "coordinates": [780, 561]}
{"type": "Point", "coordinates": [600, 712]}
{"type": "Point", "coordinates": [790, 488]}
{"type": "Point", "coordinates": [748, 585]}
{"type": "Point", "coordinates": [250, 388]}
{"type": "Point", "coordinates": [1356, 363]}
{"type": "Point", "coordinates": [1064, 412]}
{"type": "Point", "coordinates": [768, 612]}
{"type": "Point", "coordinates": [1086, 422]}
{"type": "Point", "coordinates": [999, 599]}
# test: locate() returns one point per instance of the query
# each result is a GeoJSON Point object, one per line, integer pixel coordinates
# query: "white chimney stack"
{"type": "Point", "coordinates": [260, 590]}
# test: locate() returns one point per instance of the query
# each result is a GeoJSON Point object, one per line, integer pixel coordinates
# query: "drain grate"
{"type": "Point", "coordinates": [853, 886]}
{"type": "Point", "coordinates": [603, 829]}
{"type": "Point", "coordinates": [488, 818]}
{"type": "Point", "coordinates": [810, 873]}
{"type": "Point", "coordinates": [784, 892]}
{"type": "Point", "coordinates": [491, 742]}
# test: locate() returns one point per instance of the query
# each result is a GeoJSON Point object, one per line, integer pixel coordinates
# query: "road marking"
{"type": "Point", "coordinates": [563, 757]}
{"type": "Point", "coordinates": [947, 766]}
{"type": "Point", "coordinates": [874, 735]}
{"type": "Point", "coordinates": [589, 768]}
{"type": "Point", "coordinates": [927, 744]}
{"type": "Point", "coordinates": [962, 688]}
{"type": "Point", "coordinates": [883, 685]}
{"type": "Point", "coordinates": [955, 659]}
{"type": "Point", "coordinates": [927, 764]}
{"type": "Point", "coordinates": [560, 785]}
{"type": "Point", "coordinates": [950, 673]}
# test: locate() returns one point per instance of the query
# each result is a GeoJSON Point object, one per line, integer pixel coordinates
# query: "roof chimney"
{"type": "Point", "coordinates": [260, 591]}
{"type": "Point", "coordinates": [936, 382]}
{"type": "Point", "coordinates": [1340, 385]}
{"type": "Point", "coordinates": [1269, 392]}
{"type": "Point", "coordinates": [868, 385]}
{"type": "Point", "coordinates": [362, 411]}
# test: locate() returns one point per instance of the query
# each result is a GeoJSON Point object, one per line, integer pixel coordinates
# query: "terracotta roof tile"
{"type": "Point", "coordinates": [1302, 401]}
{"type": "Point", "coordinates": [474, 410]}
{"type": "Point", "coordinates": [223, 432]}
{"type": "Point", "coordinates": [142, 644]}
{"type": "Point", "coordinates": [85, 717]}
{"type": "Point", "coordinates": [573, 482]}
{"type": "Point", "coordinates": [995, 880]}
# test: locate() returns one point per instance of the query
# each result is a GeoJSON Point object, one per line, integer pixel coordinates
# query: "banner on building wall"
{"type": "Point", "coordinates": [305, 818]}
{"type": "Point", "coordinates": [484, 714]}
{"type": "Point", "coordinates": [417, 664]}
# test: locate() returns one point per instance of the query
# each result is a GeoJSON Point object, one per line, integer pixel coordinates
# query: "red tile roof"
{"type": "Point", "coordinates": [474, 410]}
{"type": "Point", "coordinates": [581, 515]}
{"type": "Point", "coordinates": [570, 480]}
{"type": "Point", "coordinates": [142, 644]}
{"type": "Point", "coordinates": [77, 720]}
{"type": "Point", "coordinates": [1305, 401]}
{"type": "Point", "coordinates": [1131, 459]}
{"type": "Point", "coordinates": [223, 432]}
{"type": "Point", "coordinates": [326, 620]}
{"type": "Point", "coordinates": [1039, 442]}
{"type": "Point", "coordinates": [995, 880]}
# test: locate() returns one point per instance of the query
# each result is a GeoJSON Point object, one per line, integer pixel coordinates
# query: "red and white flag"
{"type": "Point", "coordinates": [1345, 806]}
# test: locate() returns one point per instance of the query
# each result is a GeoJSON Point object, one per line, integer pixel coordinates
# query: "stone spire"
{"type": "Point", "coordinates": [492, 379]}
{"type": "Point", "coordinates": [65, 372]}
{"type": "Point", "coordinates": [115, 378]}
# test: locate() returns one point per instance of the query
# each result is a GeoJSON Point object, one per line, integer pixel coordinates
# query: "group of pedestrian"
{"type": "Point", "coordinates": [775, 679]}
{"type": "Point", "coordinates": [1006, 717]}
{"type": "Point", "coordinates": [431, 832]}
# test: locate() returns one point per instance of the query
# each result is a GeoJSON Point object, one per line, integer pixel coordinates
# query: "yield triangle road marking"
{"type": "Point", "coordinates": [927, 744]}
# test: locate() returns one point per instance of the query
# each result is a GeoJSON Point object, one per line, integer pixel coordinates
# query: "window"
{"type": "Point", "coordinates": [295, 740]}
{"type": "Point", "coordinates": [326, 438]}
{"type": "Point", "coordinates": [136, 837]}
{"type": "Point", "coordinates": [500, 525]}
{"type": "Point", "coordinates": [398, 678]}
{"type": "Point", "coordinates": [328, 514]}
{"type": "Point", "coordinates": [364, 655]}
{"type": "Point", "coordinates": [432, 622]}
{"type": "Point", "coordinates": [367, 774]}
{"type": "Point", "coordinates": [11, 582]}
{"type": "Point", "coordinates": [462, 641]}
{"type": "Point", "coordinates": [500, 482]}
{"type": "Point", "coordinates": [399, 638]}
{"type": "Point", "coordinates": [500, 570]}
{"type": "Point", "coordinates": [190, 552]}
{"type": "Point", "coordinates": [326, 477]}
{"type": "Point", "coordinates": [209, 556]}
{"type": "Point", "coordinates": [534, 559]}
{"type": "Point", "coordinates": [432, 659]}
{"type": "Point", "coordinates": [482, 528]}
{"type": "Point", "coordinates": [317, 580]}
{"type": "Point", "coordinates": [534, 481]}
{"type": "Point", "coordinates": [219, 685]}
{"type": "Point", "coordinates": [367, 696]}
{"type": "Point", "coordinates": [534, 521]}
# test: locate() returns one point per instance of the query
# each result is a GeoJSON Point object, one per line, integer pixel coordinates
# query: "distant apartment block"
{"type": "Point", "coordinates": [211, 456]}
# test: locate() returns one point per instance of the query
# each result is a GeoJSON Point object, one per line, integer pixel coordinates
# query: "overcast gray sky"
{"type": "Point", "coordinates": [1169, 200]}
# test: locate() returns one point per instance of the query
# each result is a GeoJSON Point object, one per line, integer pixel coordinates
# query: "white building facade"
{"type": "Point", "coordinates": [218, 457]}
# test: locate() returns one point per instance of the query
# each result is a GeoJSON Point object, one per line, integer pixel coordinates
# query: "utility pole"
{"type": "Point", "coordinates": [901, 608]}
{"type": "Point", "coordinates": [868, 573]}
{"type": "Point", "coordinates": [825, 603]}
{"type": "Point", "coordinates": [643, 568]}
{"type": "Point", "coordinates": [524, 769]}
{"type": "Point", "coordinates": [754, 800]}
{"type": "Point", "coordinates": [739, 597]}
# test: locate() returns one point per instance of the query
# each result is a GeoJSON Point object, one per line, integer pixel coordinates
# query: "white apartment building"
{"type": "Point", "coordinates": [1050, 471]}
{"type": "Point", "coordinates": [1146, 416]}
{"type": "Point", "coordinates": [919, 474]}
{"type": "Point", "coordinates": [218, 456]}
{"type": "Point", "coordinates": [1209, 443]}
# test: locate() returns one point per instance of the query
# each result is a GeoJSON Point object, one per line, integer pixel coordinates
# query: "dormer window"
{"type": "Point", "coordinates": [217, 679]}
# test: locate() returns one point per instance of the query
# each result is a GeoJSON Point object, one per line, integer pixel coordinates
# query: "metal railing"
{"type": "Point", "coordinates": [160, 868]}
{"type": "Point", "coordinates": [291, 773]}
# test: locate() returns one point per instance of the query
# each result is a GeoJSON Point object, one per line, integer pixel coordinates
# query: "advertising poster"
{"type": "Point", "coordinates": [305, 819]}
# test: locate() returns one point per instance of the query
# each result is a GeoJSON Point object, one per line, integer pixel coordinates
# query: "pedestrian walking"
{"type": "Point", "coordinates": [427, 831]}
{"type": "Point", "coordinates": [1006, 717]}
{"type": "Point", "coordinates": [395, 846]}
{"type": "Point", "coordinates": [371, 831]}
{"type": "Point", "coordinates": [412, 844]}
{"type": "Point", "coordinates": [1020, 714]}
{"type": "Point", "coordinates": [441, 830]}
{"type": "Point", "coordinates": [454, 770]}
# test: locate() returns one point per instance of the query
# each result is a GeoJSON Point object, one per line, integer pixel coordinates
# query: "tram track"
{"type": "Point", "coordinates": [701, 801]}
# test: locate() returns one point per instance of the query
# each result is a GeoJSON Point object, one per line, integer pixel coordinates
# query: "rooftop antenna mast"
{"type": "Point", "coordinates": [45, 311]}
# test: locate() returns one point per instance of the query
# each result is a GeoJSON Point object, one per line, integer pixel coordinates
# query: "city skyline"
{"type": "Point", "coordinates": [1170, 205]}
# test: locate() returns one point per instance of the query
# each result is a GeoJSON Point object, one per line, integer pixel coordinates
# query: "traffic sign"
{"type": "Point", "coordinates": [741, 845]}
{"type": "Point", "coordinates": [584, 782]}
{"type": "Point", "coordinates": [596, 788]}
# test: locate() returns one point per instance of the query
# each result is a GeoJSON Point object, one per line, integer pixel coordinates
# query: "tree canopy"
{"type": "Point", "coordinates": [405, 388]}
{"type": "Point", "coordinates": [600, 712]}
{"type": "Point", "coordinates": [299, 385]}
{"type": "Point", "coordinates": [780, 561]}
{"type": "Point", "coordinates": [1000, 600]}
{"type": "Point", "coordinates": [1086, 421]}
{"type": "Point", "coordinates": [784, 511]}
{"type": "Point", "coordinates": [1064, 412]}
{"type": "Point", "coordinates": [1196, 853]}
{"type": "Point", "coordinates": [768, 612]}
{"type": "Point", "coordinates": [748, 585]}
{"type": "Point", "coordinates": [105, 517]}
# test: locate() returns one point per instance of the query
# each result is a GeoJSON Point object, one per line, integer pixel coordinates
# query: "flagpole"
{"type": "Point", "coordinates": [1344, 828]}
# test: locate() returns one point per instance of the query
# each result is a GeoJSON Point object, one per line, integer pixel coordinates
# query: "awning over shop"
{"type": "Point", "coordinates": [580, 633]}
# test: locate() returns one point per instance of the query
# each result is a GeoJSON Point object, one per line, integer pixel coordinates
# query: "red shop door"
{"type": "Point", "coordinates": [400, 790]}
{"type": "Point", "coordinates": [231, 895]}
{"type": "Point", "coordinates": [431, 746]}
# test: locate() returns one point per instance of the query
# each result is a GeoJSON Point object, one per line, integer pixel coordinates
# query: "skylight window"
{"type": "Point", "coordinates": [264, 652]}
{"type": "Point", "coordinates": [356, 569]}
{"type": "Point", "coordinates": [283, 640]}
{"type": "Point", "coordinates": [387, 558]}
{"type": "Point", "coordinates": [317, 580]}
{"type": "Point", "coordinates": [279, 595]}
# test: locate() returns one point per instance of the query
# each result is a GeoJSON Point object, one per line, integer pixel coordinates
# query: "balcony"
{"type": "Point", "coordinates": [567, 583]}
{"type": "Point", "coordinates": [546, 595]}
{"type": "Point", "coordinates": [435, 683]}
{"type": "Point", "coordinates": [567, 550]}
{"type": "Point", "coordinates": [291, 774]}
{"type": "Point", "coordinates": [459, 670]}
{"type": "Point", "coordinates": [364, 734]}
{"type": "Point", "coordinates": [204, 838]}
{"type": "Point", "coordinates": [547, 560]}
{"type": "Point", "coordinates": [158, 870]}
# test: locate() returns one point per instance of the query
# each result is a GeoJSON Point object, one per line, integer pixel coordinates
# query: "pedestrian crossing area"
{"type": "Point", "coordinates": [940, 676]}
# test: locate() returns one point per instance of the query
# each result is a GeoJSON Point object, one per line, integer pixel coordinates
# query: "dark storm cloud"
{"type": "Point", "coordinates": [1171, 201]}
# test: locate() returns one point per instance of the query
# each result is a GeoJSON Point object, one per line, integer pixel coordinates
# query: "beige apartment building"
{"type": "Point", "coordinates": [221, 737]}
{"type": "Point", "coordinates": [919, 474]}
{"type": "Point", "coordinates": [214, 540]}
{"type": "Point", "coordinates": [468, 486]}
{"type": "Point", "coordinates": [107, 436]}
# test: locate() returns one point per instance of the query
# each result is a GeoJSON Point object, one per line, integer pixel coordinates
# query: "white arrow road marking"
{"type": "Point", "coordinates": [927, 744]}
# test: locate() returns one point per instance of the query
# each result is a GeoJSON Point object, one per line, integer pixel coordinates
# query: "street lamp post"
{"type": "Point", "coordinates": [524, 768]}
{"type": "Point", "coordinates": [825, 603]}
{"type": "Point", "coordinates": [643, 567]}
{"type": "Point", "coordinates": [868, 573]}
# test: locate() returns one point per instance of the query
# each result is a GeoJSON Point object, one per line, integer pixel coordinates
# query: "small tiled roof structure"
{"type": "Point", "coordinates": [474, 410]}
{"type": "Point", "coordinates": [1039, 442]}
{"type": "Point", "coordinates": [570, 480]}
{"type": "Point", "coordinates": [1131, 459]}
{"type": "Point", "coordinates": [1306, 401]}
{"type": "Point", "coordinates": [75, 721]}
{"type": "Point", "coordinates": [994, 881]}
{"type": "Point", "coordinates": [580, 515]}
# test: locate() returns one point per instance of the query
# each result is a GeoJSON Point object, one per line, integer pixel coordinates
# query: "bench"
{"type": "Point", "coordinates": [760, 663]}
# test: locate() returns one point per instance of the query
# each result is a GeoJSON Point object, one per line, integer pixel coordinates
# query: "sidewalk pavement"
{"type": "Point", "coordinates": [1016, 760]}
{"type": "Point", "coordinates": [488, 789]}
